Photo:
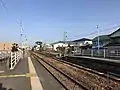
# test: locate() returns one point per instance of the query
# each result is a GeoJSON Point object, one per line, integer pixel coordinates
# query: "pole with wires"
{"type": "Point", "coordinates": [26, 42]}
{"type": "Point", "coordinates": [21, 35]}
{"type": "Point", "coordinates": [98, 40]}
{"type": "Point", "coordinates": [4, 5]}
{"type": "Point", "coordinates": [64, 39]}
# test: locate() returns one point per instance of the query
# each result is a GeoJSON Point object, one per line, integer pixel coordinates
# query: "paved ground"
{"type": "Point", "coordinates": [2, 67]}
{"type": "Point", "coordinates": [16, 79]}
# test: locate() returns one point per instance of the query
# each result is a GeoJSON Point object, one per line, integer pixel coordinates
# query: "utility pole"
{"type": "Point", "coordinates": [64, 39]}
{"type": "Point", "coordinates": [98, 40]}
{"type": "Point", "coordinates": [26, 42]}
{"type": "Point", "coordinates": [21, 34]}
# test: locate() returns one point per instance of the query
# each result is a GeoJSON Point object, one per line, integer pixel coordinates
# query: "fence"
{"type": "Point", "coordinates": [106, 53]}
{"type": "Point", "coordinates": [14, 59]}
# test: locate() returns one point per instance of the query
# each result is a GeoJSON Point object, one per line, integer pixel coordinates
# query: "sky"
{"type": "Point", "coordinates": [47, 20]}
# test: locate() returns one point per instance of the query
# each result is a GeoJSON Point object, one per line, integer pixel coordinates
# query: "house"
{"type": "Point", "coordinates": [81, 44]}
{"type": "Point", "coordinates": [110, 43]}
{"type": "Point", "coordinates": [115, 36]}
{"type": "Point", "coordinates": [59, 44]}
{"type": "Point", "coordinates": [103, 40]}
{"type": "Point", "coordinates": [47, 47]}
{"type": "Point", "coordinates": [113, 47]}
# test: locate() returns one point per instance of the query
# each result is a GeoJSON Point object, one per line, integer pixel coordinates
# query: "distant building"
{"type": "Point", "coordinates": [81, 44]}
{"type": "Point", "coordinates": [5, 46]}
{"type": "Point", "coordinates": [114, 45]}
{"type": "Point", "coordinates": [47, 47]}
{"type": "Point", "coordinates": [110, 43]}
{"type": "Point", "coordinates": [59, 44]}
{"type": "Point", "coordinates": [103, 40]}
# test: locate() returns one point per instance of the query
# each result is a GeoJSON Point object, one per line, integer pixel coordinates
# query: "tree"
{"type": "Point", "coordinates": [70, 49]}
{"type": "Point", "coordinates": [61, 50]}
{"type": "Point", "coordinates": [40, 44]}
{"type": "Point", "coordinates": [15, 47]}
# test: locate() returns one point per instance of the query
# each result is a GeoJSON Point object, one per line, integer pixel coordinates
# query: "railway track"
{"type": "Point", "coordinates": [111, 75]}
{"type": "Point", "coordinates": [87, 78]}
{"type": "Point", "coordinates": [66, 81]}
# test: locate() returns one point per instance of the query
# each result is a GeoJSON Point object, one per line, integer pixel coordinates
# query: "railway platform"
{"type": "Point", "coordinates": [96, 58]}
{"type": "Point", "coordinates": [28, 75]}
{"type": "Point", "coordinates": [17, 78]}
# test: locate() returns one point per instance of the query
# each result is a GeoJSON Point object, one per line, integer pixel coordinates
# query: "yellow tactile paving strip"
{"type": "Point", "coordinates": [34, 79]}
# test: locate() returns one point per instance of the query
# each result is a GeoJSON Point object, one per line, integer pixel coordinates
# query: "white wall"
{"type": "Point", "coordinates": [59, 45]}
{"type": "Point", "coordinates": [89, 42]}
{"type": "Point", "coordinates": [82, 43]}
{"type": "Point", "coordinates": [48, 46]}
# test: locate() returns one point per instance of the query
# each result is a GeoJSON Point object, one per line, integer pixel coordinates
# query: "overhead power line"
{"type": "Point", "coordinates": [95, 32]}
{"type": "Point", "coordinates": [110, 28]}
{"type": "Point", "coordinates": [18, 22]}
{"type": "Point", "coordinates": [4, 5]}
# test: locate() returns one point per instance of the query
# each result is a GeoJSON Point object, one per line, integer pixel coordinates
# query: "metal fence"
{"type": "Point", "coordinates": [106, 53]}
{"type": "Point", "coordinates": [10, 58]}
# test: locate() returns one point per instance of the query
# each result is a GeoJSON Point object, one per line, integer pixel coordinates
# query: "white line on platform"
{"type": "Point", "coordinates": [35, 82]}
{"type": "Point", "coordinates": [2, 71]}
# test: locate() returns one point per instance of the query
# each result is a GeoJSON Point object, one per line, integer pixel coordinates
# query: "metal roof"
{"type": "Point", "coordinates": [68, 42]}
{"type": "Point", "coordinates": [107, 37]}
{"type": "Point", "coordinates": [82, 39]}
{"type": "Point", "coordinates": [115, 34]}
{"type": "Point", "coordinates": [102, 38]}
